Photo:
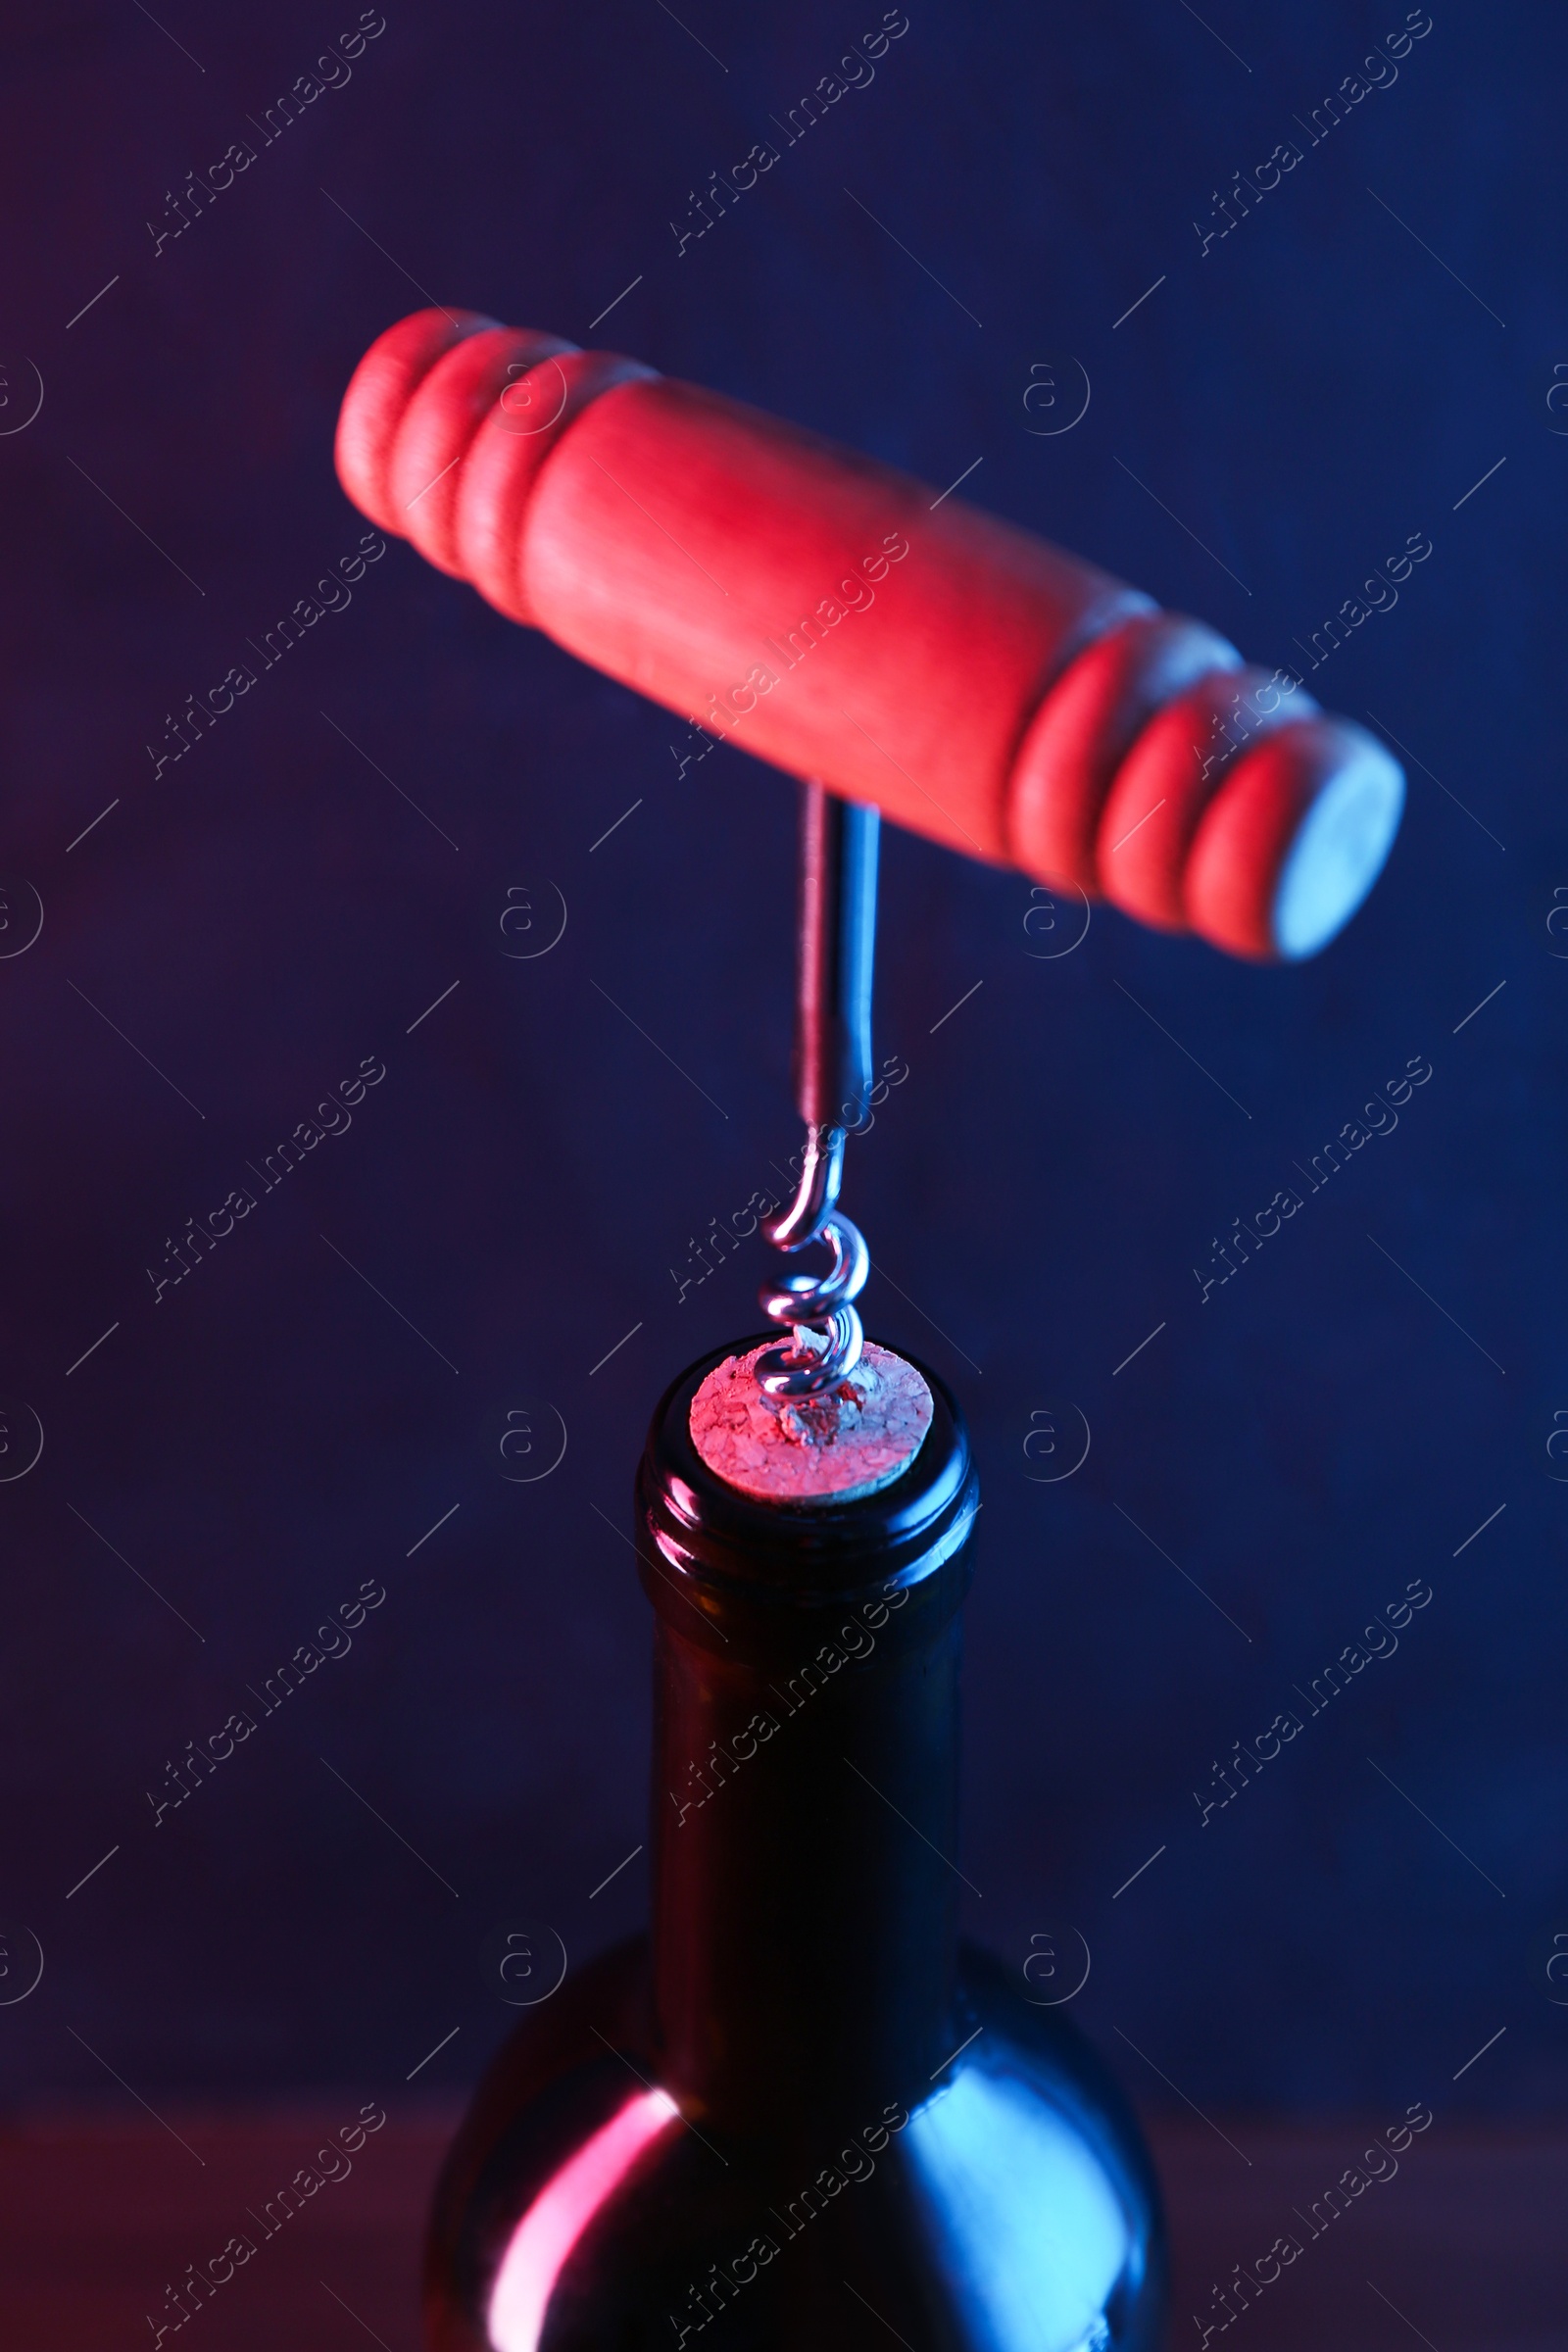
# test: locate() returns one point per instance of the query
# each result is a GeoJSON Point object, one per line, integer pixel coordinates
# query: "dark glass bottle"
{"type": "Point", "coordinates": [798, 2117]}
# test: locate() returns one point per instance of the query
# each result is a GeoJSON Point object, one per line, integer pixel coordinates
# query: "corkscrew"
{"type": "Point", "coordinates": [835, 952]}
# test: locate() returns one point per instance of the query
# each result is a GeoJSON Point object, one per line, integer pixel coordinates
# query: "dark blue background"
{"type": "Point", "coordinates": [520, 1186]}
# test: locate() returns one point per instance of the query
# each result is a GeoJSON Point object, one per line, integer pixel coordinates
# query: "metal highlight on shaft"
{"type": "Point", "coordinates": [837, 941]}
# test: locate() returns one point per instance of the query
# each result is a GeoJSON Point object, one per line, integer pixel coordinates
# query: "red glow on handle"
{"type": "Point", "coordinates": [841, 622]}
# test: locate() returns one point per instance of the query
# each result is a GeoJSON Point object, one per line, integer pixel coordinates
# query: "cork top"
{"type": "Point", "coordinates": [854, 1440]}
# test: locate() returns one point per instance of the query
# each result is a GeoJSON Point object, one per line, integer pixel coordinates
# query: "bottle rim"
{"type": "Point", "coordinates": [711, 1544]}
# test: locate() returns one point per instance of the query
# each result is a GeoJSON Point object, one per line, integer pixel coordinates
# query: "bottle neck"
{"type": "Point", "coordinates": [805, 1885]}
{"type": "Point", "coordinates": [805, 1824]}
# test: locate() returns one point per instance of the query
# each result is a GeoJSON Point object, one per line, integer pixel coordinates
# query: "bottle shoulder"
{"type": "Point", "coordinates": [1011, 2207]}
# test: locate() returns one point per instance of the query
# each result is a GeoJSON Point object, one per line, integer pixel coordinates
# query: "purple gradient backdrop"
{"type": "Point", "coordinates": [258, 918]}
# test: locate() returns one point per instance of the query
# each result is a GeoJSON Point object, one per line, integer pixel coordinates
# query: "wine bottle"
{"type": "Point", "coordinates": [799, 2115]}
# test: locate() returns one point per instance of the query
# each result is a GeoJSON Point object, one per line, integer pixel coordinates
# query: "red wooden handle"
{"type": "Point", "coordinates": [833, 618]}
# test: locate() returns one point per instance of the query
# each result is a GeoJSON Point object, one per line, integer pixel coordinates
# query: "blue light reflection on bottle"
{"type": "Point", "coordinates": [1034, 2236]}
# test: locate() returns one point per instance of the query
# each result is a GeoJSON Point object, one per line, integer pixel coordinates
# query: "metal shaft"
{"type": "Point", "coordinates": [836, 949]}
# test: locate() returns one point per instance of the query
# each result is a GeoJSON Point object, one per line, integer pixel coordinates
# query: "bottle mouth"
{"type": "Point", "coordinates": [713, 1551]}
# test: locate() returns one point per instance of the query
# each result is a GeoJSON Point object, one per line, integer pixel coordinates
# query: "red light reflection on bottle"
{"type": "Point", "coordinates": [559, 2214]}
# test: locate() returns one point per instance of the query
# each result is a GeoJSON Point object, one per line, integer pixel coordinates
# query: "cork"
{"type": "Point", "coordinates": [797, 1451]}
